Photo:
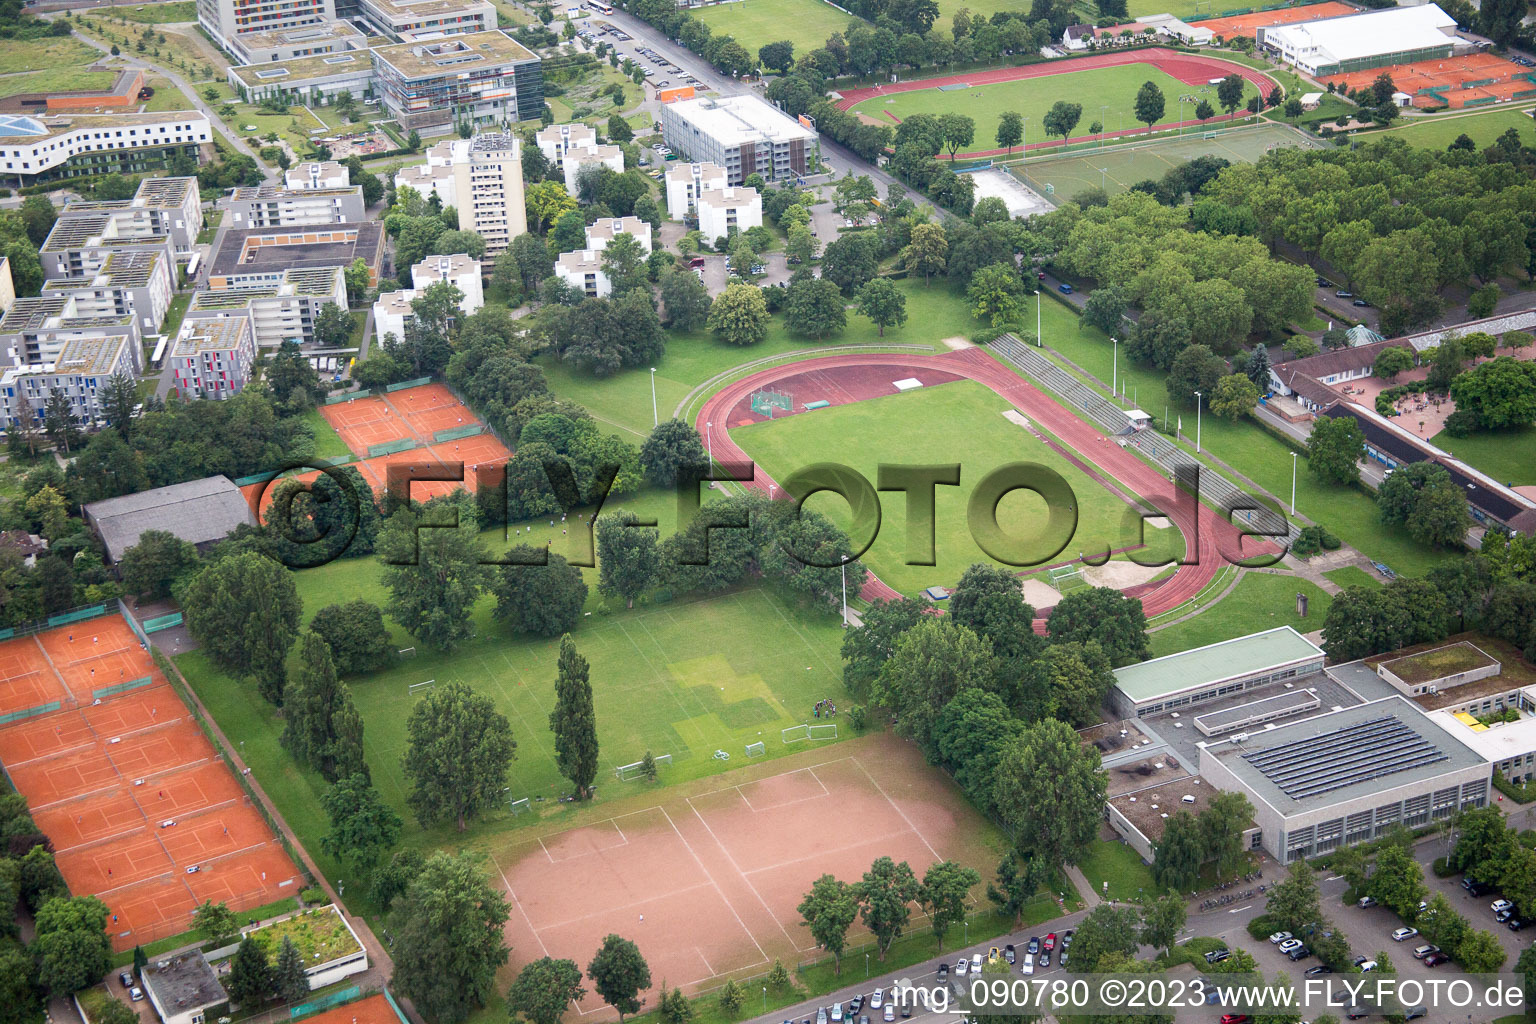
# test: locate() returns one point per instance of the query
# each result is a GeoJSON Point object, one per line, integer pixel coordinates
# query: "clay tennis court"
{"type": "Point", "coordinates": [707, 885]}
{"type": "Point", "coordinates": [1248, 24]}
{"type": "Point", "coordinates": [1474, 79]}
{"type": "Point", "coordinates": [364, 421]}
{"type": "Point", "coordinates": [139, 808]}
{"type": "Point", "coordinates": [374, 1009]}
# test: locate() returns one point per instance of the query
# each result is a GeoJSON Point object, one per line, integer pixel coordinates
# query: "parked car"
{"type": "Point", "coordinates": [1365, 902]}
{"type": "Point", "coordinates": [1009, 953]}
{"type": "Point", "coordinates": [1362, 303]}
{"type": "Point", "coordinates": [1216, 956]}
{"type": "Point", "coordinates": [1279, 937]}
{"type": "Point", "coordinates": [1050, 942]}
{"type": "Point", "coordinates": [1402, 934]}
{"type": "Point", "coordinates": [126, 979]}
{"type": "Point", "coordinates": [1420, 952]}
{"type": "Point", "coordinates": [821, 1015]}
{"type": "Point", "coordinates": [1323, 282]}
{"type": "Point", "coordinates": [837, 1012]}
{"type": "Point", "coordinates": [1356, 1012]}
{"type": "Point", "coordinates": [1500, 904]}
{"type": "Point", "coordinates": [1034, 944]}
{"type": "Point", "coordinates": [1475, 887]}
{"type": "Point", "coordinates": [1045, 958]}
{"type": "Point", "coordinates": [1286, 945]}
{"type": "Point", "coordinates": [1235, 1018]}
{"type": "Point", "coordinates": [1319, 969]}
{"type": "Point", "coordinates": [1344, 294]}
{"type": "Point", "coordinates": [877, 999]}
{"type": "Point", "coordinates": [889, 1013]}
{"type": "Point", "coordinates": [136, 994]}
{"type": "Point", "coordinates": [1299, 953]}
{"type": "Point", "coordinates": [1368, 967]}
{"type": "Point", "coordinates": [1065, 289]}
{"type": "Point", "coordinates": [1436, 959]}
{"type": "Point", "coordinates": [854, 1006]}
{"type": "Point", "coordinates": [1066, 937]}
{"type": "Point", "coordinates": [1028, 966]}
{"type": "Point", "coordinates": [1503, 915]}
{"type": "Point", "coordinates": [962, 966]}
{"type": "Point", "coordinates": [943, 973]}
{"type": "Point", "coordinates": [975, 963]}
{"type": "Point", "coordinates": [1515, 924]}
{"type": "Point", "coordinates": [1415, 1012]}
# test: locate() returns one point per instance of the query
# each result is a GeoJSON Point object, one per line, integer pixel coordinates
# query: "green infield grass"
{"type": "Point", "coordinates": [1107, 95]}
{"type": "Point", "coordinates": [934, 425]}
{"type": "Point", "coordinates": [756, 23]}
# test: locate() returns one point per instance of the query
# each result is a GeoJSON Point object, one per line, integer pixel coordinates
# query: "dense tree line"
{"type": "Point", "coordinates": [70, 949]}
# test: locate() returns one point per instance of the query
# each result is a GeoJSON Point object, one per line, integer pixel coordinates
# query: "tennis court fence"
{"type": "Point", "coordinates": [61, 619]}
{"type": "Point", "coordinates": [403, 385]}
{"type": "Point", "coordinates": [117, 688]}
{"type": "Point", "coordinates": [404, 444]}
{"type": "Point", "coordinates": [455, 433]}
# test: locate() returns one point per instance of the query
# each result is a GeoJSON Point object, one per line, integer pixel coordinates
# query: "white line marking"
{"type": "Point", "coordinates": [720, 892]}
{"type": "Point", "coordinates": [898, 810]}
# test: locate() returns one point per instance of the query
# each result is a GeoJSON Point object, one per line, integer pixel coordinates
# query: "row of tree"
{"type": "Point", "coordinates": [884, 899]}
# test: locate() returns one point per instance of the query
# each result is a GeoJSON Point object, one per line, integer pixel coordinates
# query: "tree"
{"type": "Point", "coordinates": [1010, 130]}
{"type": "Point", "coordinates": [459, 748]}
{"type": "Point", "coordinates": [59, 421]}
{"type": "Point", "coordinates": [71, 943]}
{"type": "Point", "coordinates": [244, 613]}
{"type": "Point", "coordinates": [1235, 395]}
{"type": "Point", "coordinates": [1149, 104]}
{"type": "Point", "coordinates": [1062, 118]}
{"type": "Point", "coordinates": [1104, 616]}
{"type": "Point", "coordinates": [739, 316]}
{"type": "Point", "coordinates": [1481, 953]}
{"type": "Point", "coordinates": [1229, 93]}
{"type": "Point", "coordinates": [623, 262]}
{"type": "Point", "coordinates": [333, 329]}
{"type": "Point", "coordinates": [1392, 361]}
{"type": "Point", "coordinates": [573, 720]}
{"type": "Point", "coordinates": [1497, 395]}
{"type": "Point", "coordinates": [544, 600]}
{"type": "Point", "coordinates": [156, 562]}
{"type": "Point", "coordinates": [1398, 881]}
{"type": "Point", "coordinates": [1162, 918]}
{"type": "Point", "coordinates": [546, 201]}
{"type": "Point", "coordinates": [1050, 792]}
{"type": "Point", "coordinates": [1179, 853]}
{"type": "Point", "coordinates": [1334, 449]}
{"type": "Point", "coordinates": [1295, 899]}
{"type": "Point", "coordinates": [1104, 309]}
{"type": "Point", "coordinates": [1222, 824]}
{"type": "Point", "coordinates": [883, 303]}
{"type": "Point", "coordinates": [943, 895]}
{"type": "Point", "coordinates": [627, 557]}
{"type": "Point", "coordinates": [250, 974]}
{"type": "Point", "coordinates": [288, 979]}
{"type": "Point", "coordinates": [1106, 931]}
{"type": "Point", "coordinates": [814, 307]}
{"type": "Point", "coordinates": [215, 921]}
{"type": "Point", "coordinates": [828, 910]}
{"type": "Point", "coordinates": [619, 974]}
{"type": "Point", "coordinates": [1015, 889]}
{"type": "Point", "coordinates": [731, 998]}
{"type": "Point", "coordinates": [449, 940]}
{"type": "Point", "coordinates": [671, 446]}
{"type": "Point", "coordinates": [997, 293]}
{"type": "Point", "coordinates": [363, 827]}
{"type": "Point", "coordinates": [851, 261]}
{"type": "Point", "coordinates": [356, 634]}
{"type": "Point", "coordinates": [1195, 369]}
{"type": "Point", "coordinates": [544, 990]}
{"type": "Point", "coordinates": [932, 662]}
{"type": "Point", "coordinates": [885, 896]}
{"type": "Point", "coordinates": [310, 703]}
{"type": "Point", "coordinates": [777, 56]}
{"type": "Point", "coordinates": [434, 577]}
{"type": "Point", "coordinates": [619, 130]}
{"type": "Point", "coordinates": [37, 217]}
{"type": "Point", "coordinates": [686, 300]}
{"type": "Point", "coordinates": [866, 649]}
{"type": "Point", "coordinates": [928, 251]}
{"type": "Point", "coordinates": [1203, 111]}
{"type": "Point", "coordinates": [988, 601]}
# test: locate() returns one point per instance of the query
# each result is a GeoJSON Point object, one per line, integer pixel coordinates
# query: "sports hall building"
{"type": "Point", "coordinates": [1355, 42]}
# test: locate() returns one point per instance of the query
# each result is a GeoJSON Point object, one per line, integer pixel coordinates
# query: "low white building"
{"type": "Point", "coordinates": [583, 270]}
{"type": "Point", "coordinates": [603, 230]}
{"type": "Point", "coordinates": [315, 174]}
{"type": "Point", "coordinates": [555, 140]}
{"type": "Point", "coordinates": [434, 176]}
{"type": "Point", "coordinates": [686, 181]}
{"type": "Point", "coordinates": [391, 312]}
{"type": "Point", "coordinates": [331, 949]}
{"type": "Point", "coordinates": [723, 209]}
{"type": "Point", "coordinates": [183, 988]}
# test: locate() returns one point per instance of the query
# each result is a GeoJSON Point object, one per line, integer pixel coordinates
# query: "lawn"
{"type": "Point", "coordinates": [1256, 453]}
{"type": "Point", "coordinates": [623, 401]}
{"type": "Point", "coordinates": [685, 678]}
{"type": "Point", "coordinates": [60, 53]}
{"type": "Point", "coordinates": [1353, 576]}
{"type": "Point", "coordinates": [185, 51]}
{"type": "Point", "coordinates": [1508, 456]}
{"type": "Point", "coordinates": [756, 23]}
{"type": "Point", "coordinates": [328, 443]}
{"type": "Point", "coordinates": [167, 96]}
{"type": "Point", "coordinates": [1261, 601]}
{"type": "Point", "coordinates": [935, 425]}
{"type": "Point", "coordinates": [57, 79]}
{"type": "Point", "coordinates": [162, 12]}
{"type": "Point", "coordinates": [254, 124]}
{"type": "Point", "coordinates": [1107, 95]}
{"type": "Point", "coordinates": [1440, 130]}
{"type": "Point", "coordinates": [1119, 865]}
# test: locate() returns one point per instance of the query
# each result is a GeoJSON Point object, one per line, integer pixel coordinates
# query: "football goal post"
{"type": "Point", "coordinates": [795, 733]}
{"type": "Point", "coordinates": [630, 772]}
{"type": "Point", "coordinates": [407, 652]}
{"type": "Point", "coordinates": [823, 732]}
{"type": "Point", "coordinates": [417, 689]}
{"type": "Point", "coordinates": [756, 749]}
{"type": "Point", "coordinates": [520, 806]}
{"type": "Point", "coordinates": [1066, 577]}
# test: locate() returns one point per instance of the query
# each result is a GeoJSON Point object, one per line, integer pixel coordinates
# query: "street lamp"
{"type": "Point", "coordinates": [1114, 379]}
{"type": "Point", "coordinates": [709, 439]}
{"type": "Point", "coordinates": [1197, 423]}
{"type": "Point", "coordinates": [655, 419]}
{"type": "Point", "coordinates": [1293, 483]}
{"type": "Point", "coordinates": [866, 965]}
{"type": "Point", "coordinates": [1102, 172]}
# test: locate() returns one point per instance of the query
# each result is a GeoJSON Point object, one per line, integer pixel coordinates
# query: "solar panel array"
{"type": "Point", "coordinates": [1345, 757]}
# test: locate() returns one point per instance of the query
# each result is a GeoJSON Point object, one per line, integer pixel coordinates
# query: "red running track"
{"type": "Point", "coordinates": [1190, 69]}
{"type": "Point", "coordinates": [1217, 538]}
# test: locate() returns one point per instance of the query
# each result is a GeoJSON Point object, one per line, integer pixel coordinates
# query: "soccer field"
{"type": "Point", "coordinates": [936, 425]}
{"type": "Point", "coordinates": [1107, 95]}
{"type": "Point", "coordinates": [756, 23]}
{"type": "Point", "coordinates": [1118, 167]}
{"type": "Point", "coordinates": [1482, 127]}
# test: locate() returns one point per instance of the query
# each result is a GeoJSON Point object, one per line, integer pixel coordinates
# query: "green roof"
{"type": "Point", "coordinates": [1202, 666]}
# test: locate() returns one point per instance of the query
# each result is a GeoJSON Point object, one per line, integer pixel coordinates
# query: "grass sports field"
{"type": "Point", "coordinates": [1260, 601]}
{"type": "Point", "coordinates": [928, 426]}
{"type": "Point", "coordinates": [1107, 95]}
{"type": "Point", "coordinates": [1482, 127]}
{"type": "Point", "coordinates": [755, 23]}
{"type": "Point", "coordinates": [1118, 167]}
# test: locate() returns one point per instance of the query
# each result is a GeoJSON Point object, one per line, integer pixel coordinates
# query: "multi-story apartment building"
{"type": "Point", "coordinates": [315, 80]}
{"type": "Point", "coordinates": [743, 134]}
{"type": "Point", "coordinates": [296, 43]}
{"type": "Point", "coordinates": [481, 178]}
{"type": "Point", "coordinates": [262, 257]}
{"type": "Point", "coordinates": [556, 139]}
{"type": "Point", "coordinates": [227, 21]}
{"type": "Point", "coordinates": [603, 230]}
{"type": "Point", "coordinates": [723, 210]}
{"type": "Point", "coordinates": [136, 283]}
{"type": "Point", "coordinates": [480, 79]}
{"type": "Point", "coordinates": [583, 270]}
{"type": "Point", "coordinates": [317, 174]}
{"type": "Point", "coordinates": [686, 181]}
{"type": "Point", "coordinates": [393, 312]}
{"type": "Point", "coordinates": [281, 309]}
{"type": "Point", "coordinates": [212, 356]}
{"type": "Point", "coordinates": [81, 368]}
{"type": "Point", "coordinates": [406, 21]}
{"type": "Point", "coordinates": [34, 149]}
{"type": "Point", "coordinates": [268, 206]}
{"type": "Point", "coordinates": [611, 157]}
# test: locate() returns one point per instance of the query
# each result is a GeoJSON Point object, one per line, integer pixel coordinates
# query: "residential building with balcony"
{"type": "Point", "coordinates": [742, 134]}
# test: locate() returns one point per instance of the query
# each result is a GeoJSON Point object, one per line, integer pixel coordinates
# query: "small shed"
{"type": "Point", "coordinates": [1137, 419]}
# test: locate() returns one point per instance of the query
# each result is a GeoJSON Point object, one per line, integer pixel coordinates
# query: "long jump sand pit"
{"type": "Point", "coordinates": [707, 883]}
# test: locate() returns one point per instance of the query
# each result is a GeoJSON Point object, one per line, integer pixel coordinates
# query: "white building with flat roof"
{"type": "Point", "coordinates": [556, 139]}
{"type": "Point", "coordinates": [1356, 42]}
{"type": "Point", "coordinates": [1192, 677]}
{"type": "Point", "coordinates": [583, 270]}
{"type": "Point", "coordinates": [482, 179]}
{"type": "Point", "coordinates": [313, 174]}
{"type": "Point", "coordinates": [611, 157]}
{"type": "Point", "coordinates": [458, 270]}
{"type": "Point", "coordinates": [407, 21]}
{"type": "Point", "coordinates": [435, 176]}
{"type": "Point", "coordinates": [743, 134]}
{"type": "Point", "coordinates": [603, 230]}
{"type": "Point", "coordinates": [722, 210]}
{"type": "Point", "coordinates": [271, 206]}
{"type": "Point", "coordinates": [686, 181]}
